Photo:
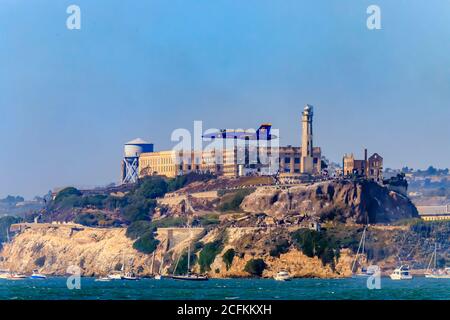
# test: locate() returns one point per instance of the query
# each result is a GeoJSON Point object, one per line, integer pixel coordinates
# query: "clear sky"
{"type": "Point", "coordinates": [69, 99]}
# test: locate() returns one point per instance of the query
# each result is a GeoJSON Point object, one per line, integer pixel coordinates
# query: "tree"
{"type": "Point", "coordinates": [228, 257]}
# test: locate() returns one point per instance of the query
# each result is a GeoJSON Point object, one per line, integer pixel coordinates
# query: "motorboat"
{"type": "Point", "coordinates": [37, 275]}
{"type": "Point", "coordinates": [17, 276]}
{"type": "Point", "coordinates": [282, 276]}
{"type": "Point", "coordinates": [401, 273]}
{"type": "Point", "coordinates": [103, 279]}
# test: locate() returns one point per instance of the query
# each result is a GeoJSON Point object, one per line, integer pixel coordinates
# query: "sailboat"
{"type": "Point", "coordinates": [159, 275]}
{"type": "Point", "coordinates": [436, 273]}
{"type": "Point", "coordinates": [188, 275]}
{"type": "Point", "coordinates": [118, 275]}
{"type": "Point", "coordinates": [365, 272]}
{"type": "Point", "coordinates": [129, 275]}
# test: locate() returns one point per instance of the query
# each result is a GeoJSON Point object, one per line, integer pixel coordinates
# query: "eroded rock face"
{"type": "Point", "coordinates": [295, 262]}
{"type": "Point", "coordinates": [360, 202]}
{"type": "Point", "coordinates": [254, 243]}
{"type": "Point", "coordinates": [52, 249]}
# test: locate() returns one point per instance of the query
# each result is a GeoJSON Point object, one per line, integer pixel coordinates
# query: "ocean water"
{"type": "Point", "coordinates": [229, 289]}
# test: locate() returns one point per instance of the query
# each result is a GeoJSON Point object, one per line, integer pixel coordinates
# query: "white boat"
{"type": "Point", "coordinates": [103, 279]}
{"type": "Point", "coordinates": [118, 275]}
{"type": "Point", "coordinates": [16, 276]}
{"type": "Point", "coordinates": [190, 277]}
{"type": "Point", "coordinates": [158, 277]}
{"type": "Point", "coordinates": [439, 274]}
{"type": "Point", "coordinates": [282, 276]}
{"type": "Point", "coordinates": [37, 275]}
{"type": "Point", "coordinates": [130, 276]}
{"type": "Point", "coordinates": [115, 276]}
{"type": "Point", "coordinates": [401, 273]}
{"type": "Point", "coordinates": [436, 273]}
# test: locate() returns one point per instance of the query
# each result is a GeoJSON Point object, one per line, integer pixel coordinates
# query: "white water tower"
{"type": "Point", "coordinates": [130, 162]}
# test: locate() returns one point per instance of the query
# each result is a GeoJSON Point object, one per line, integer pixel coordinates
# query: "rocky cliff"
{"type": "Point", "coordinates": [53, 248]}
{"type": "Point", "coordinates": [356, 201]}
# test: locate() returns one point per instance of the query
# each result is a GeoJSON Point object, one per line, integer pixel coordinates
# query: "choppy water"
{"type": "Point", "coordinates": [56, 288]}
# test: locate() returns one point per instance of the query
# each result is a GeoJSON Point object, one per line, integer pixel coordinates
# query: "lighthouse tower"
{"type": "Point", "coordinates": [307, 160]}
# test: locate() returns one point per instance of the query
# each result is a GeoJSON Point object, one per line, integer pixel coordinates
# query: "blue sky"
{"type": "Point", "coordinates": [70, 99]}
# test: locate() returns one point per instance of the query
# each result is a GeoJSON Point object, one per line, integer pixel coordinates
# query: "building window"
{"type": "Point", "coordinates": [297, 160]}
{"type": "Point", "coordinates": [287, 160]}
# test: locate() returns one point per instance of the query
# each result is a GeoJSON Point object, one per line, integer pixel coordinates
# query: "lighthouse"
{"type": "Point", "coordinates": [307, 160]}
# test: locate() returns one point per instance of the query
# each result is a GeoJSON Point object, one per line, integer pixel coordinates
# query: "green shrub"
{"type": "Point", "coordinates": [146, 243]}
{"type": "Point", "coordinates": [232, 201]}
{"type": "Point", "coordinates": [5, 223]}
{"type": "Point", "coordinates": [255, 267]}
{"type": "Point", "coordinates": [95, 220]}
{"type": "Point", "coordinates": [282, 246]}
{"type": "Point", "coordinates": [182, 266]}
{"type": "Point", "coordinates": [67, 192]}
{"type": "Point", "coordinates": [170, 222]}
{"type": "Point", "coordinates": [208, 254]}
{"type": "Point", "coordinates": [140, 209]}
{"type": "Point", "coordinates": [142, 231]}
{"type": "Point", "coordinates": [209, 219]}
{"type": "Point", "coordinates": [151, 188]}
{"type": "Point", "coordinates": [181, 181]}
{"type": "Point", "coordinates": [228, 257]}
{"type": "Point", "coordinates": [313, 243]}
{"type": "Point", "coordinates": [139, 228]}
{"type": "Point", "coordinates": [97, 201]}
{"type": "Point", "coordinates": [12, 200]}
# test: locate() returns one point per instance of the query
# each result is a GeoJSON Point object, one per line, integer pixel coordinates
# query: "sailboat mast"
{"type": "Point", "coordinates": [435, 255]}
{"type": "Point", "coordinates": [153, 261]}
{"type": "Point", "coordinates": [162, 258]}
{"type": "Point", "coordinates": [363, 241]}
{"type": "Point", "coordinates": [189, 256]}
{"type": "Point", "coordinates": [359, 247]}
